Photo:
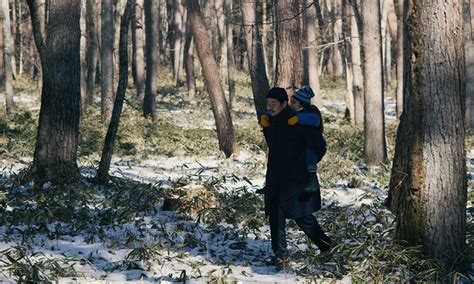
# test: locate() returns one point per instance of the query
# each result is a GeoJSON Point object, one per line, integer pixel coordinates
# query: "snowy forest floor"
{"type": "Point", "coordinates": [217, 232]}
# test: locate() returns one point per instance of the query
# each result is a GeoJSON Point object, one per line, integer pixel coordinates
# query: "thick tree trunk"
{"type": "Point", "coordinates": [469, 53]}
{"type": "Point", "coordinates": [8, 54]}
{"type": "Point", "coordinates": [428, 182]}
{"type": "Point", "coordinates": [92, 50]}
{"type": "Point", "coordinates": [152, 57]}
{"type": "Point", "coordinates": [107, 151]}
{"type": "Point", "coordinates": [375, 150]}
{"type": "Point", "coordinates": [358, 78]}
{"type": "Point", "coordinates": [225, 129]}
{"type": "Point", "coordinates": [400, 75]}
{"type": "Point", "coordinates": [189, 61]}
{"type": "Point", "coordinates": [312, 33]}
{"type": "Point", "coordinates": [138, 59]}
{"type": "Point", "coordinates": [107, 60]}
{"type": "Point", "coordinates": [58, 131]}
{"type": "Point", "coordinates": [230, 52]}
{"type": "Point", "coordinates": [289, 65]}
{"type": "Point", "coordinates": [256, 61]}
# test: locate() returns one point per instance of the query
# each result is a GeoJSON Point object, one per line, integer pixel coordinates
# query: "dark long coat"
{"type": "Point", "coordinates": [287, 174]}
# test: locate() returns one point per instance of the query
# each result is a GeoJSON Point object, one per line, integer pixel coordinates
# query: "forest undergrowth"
{"type": "Point", "coordinates": [215, 205]}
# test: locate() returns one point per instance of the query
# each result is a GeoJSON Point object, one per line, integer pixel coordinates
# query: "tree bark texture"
{"type": "Point", "coordinates": [469, 53]}
{"type": "Point", "coordinates": [58, 131]}
{"type": "Point", "coordinates": [375, 150]}
{"type": "Point", "coordinates": [189, 61]}
{"type": "Point", "coordinates": [92, 49]}
{"type": "Point", "coordinates": [256, 61]}
{"type": "Point", "coordinates": [107, 60]}
{"type": "Point", "coordinates": [428, 182]}
{"type": "Point", "coordinates": [400, 76]}
{"type": "Point", "coordinates": [289, 65]}
{"type": "Point", "coordinates": [152, 57]}
{"type": "Point", "coordinates": [220, 109]}
{"type": "Point", "coordinates": [8, 54]}
{"type": "Point", "coordinates": [230, 51]}
{"type": "Point", "coordinates": [358, 78]}
{"type": "Point", "coordinates": [107, 151]}
{"type": "Point", "coordinates": [177, 37]}
{"type": "Point", "coordinates": [138, 60]}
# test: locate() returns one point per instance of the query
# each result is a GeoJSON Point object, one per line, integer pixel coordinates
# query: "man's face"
{"type": "Point", "coordinates": [274, 106]}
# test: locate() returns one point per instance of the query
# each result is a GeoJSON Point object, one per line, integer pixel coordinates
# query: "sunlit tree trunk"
{"type": "Point", "coordinates": [189, 61]}
{"type": "Point", "coordinates": [336, 24]}
{"type": "Point", "coordinates": [152, 57]}
{"type": "Point", "coordinates": [221, 37]}
{"type": "Point", "coordinates": [428, 183]}
{"type": "Point", "coordinates": [177, 36]}
{"type": "Point", "coordinates": [289, 65]}
{"type": "Point", "coordinates": [107, 59]}
{"type": "Point", "coordinates": [256, 61]}
{"type": "Point", "coordinates": [7, 57]}
{"type": "Point", "coordinates": [375, 150]}
{"type": "Point", "coordinates": [357, 79]}
{"type": "Point", "coordinates": [312, 33]}
{"type": "Point", "coordinates": [83, 51]}
{"type": "Point", "coordinates": [220, 109]}
{"type": "Point", "coordinates": [138, 57]}
{"type": "Point", "coordinates": [265, 28]}
{"type": "Point", "coordinates": [58, 131]}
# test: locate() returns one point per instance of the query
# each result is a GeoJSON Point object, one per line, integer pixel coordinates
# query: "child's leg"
{"type": "Point", "coordinates": [313, 183]}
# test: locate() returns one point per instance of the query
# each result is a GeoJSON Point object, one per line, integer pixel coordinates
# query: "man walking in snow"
{"type": "Point", "coordinates": [287, 175]}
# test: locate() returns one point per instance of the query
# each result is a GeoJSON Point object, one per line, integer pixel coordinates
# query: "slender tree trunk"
{"type": "Point", "coordinates": [189, 61]}
{"type": "Point", "coordinates": [221, 36]}
{"type": "Point", "coordinates": [152, 57]}
{"type": "Point", "coordinates": [177, 36]}
{"type": "Point", "coordinates": [19, 35]}
{"type": "Point", "coordinates": [225, 129]}
{"type": "Point", "coordinates": [58, 131]}
{"type": "Point", "coordinates": [428, 183]}
{"type": "Point", "coordinates": [230, 51]}
{"type": "Point", "coordinates": [107, 60]}
{"type": "Point", "coordinates": [312, 33]}
{"type": "Point", "coordinates": [138, 65]}
{"type": "Point", "coordinates": [107, 151]}
{"type": "Point", "coordinates": [8, 54]}
{"type": "Point", "coordinates": [163, 31]}
{"type": "Point", "coordinates": [358, 79]}
{"type": "Point", "coordinates": [469, 53]}
{"type": "Point", "coordinates": [375, 150]}
{"type": "Point", "coordinates": [289, 65]}
{"type": "Point", "coordinates": [83, 51]}
{"type": "Point", "coordinates": [92, 50]}
{"type": "Point", "coordinates": [256, 61]}
{"type": "Point", "coordinates": [400, 75]}
{"type": "Point", "coordinates": [42, 24]}
{"type": "Point", "coordinates": [336, 57]}
{"type": "Point", "coordinates": [265, 36]}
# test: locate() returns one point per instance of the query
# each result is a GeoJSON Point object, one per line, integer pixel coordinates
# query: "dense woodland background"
{"type": "Point", "coordinates": [89, 82]}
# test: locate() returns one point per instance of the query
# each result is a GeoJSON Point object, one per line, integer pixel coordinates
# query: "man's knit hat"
{"type": "Point", "coordinates": [304, 95]}
{"type": "Point", "coordinates": [278, 94]}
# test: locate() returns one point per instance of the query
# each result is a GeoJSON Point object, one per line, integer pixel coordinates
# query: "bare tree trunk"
{"type": "Point", "coordinates": [375, 150]}
{"type": "Point", "coordinates": [163, 31]}
{"type": "Point", "coordinates": [19, 35]}
{"type": "Point", "coordinates": [358, 79]}
{"type": "Point", "coordinates": [347, 16]}
{"type": "Point", "coordinates": [8, 54]}
{"type": "Point", "coordinates": [177, 36]}
{"type": "Point", "coordinates": [256, 62]}
{"type": "Point", "coordinates": [312, 33]}
{"type": "Point", "coordinates": [138, 57]}
{"type": "Point", "coordinates": [221, 36]}
{"type": "Point", "coordinates": [83, 51]}
{"type": "Point", "coordinates": [265, 36]}
{"type": "Point", "coordinates": [92, 50]}
{"type": "Point", "coordinates": [469, 53]}
{"type": "Point", "coordinates": [336, 58]}
{"type": "Point", "coordinates": [230, 52]}
{"type": "Point", "coordinates": [107, 151]}
{"type": "Point", "coordinates": [225, 129]}
{"type": "Point", "coordinates": [107, 60]}
{"type": "Point", "coordinates": [152, 57]}
{"type": "Point", "coordinates": [289, 65]}
{"type": "Point", "coordinates": [428, 183]}
{"type": "Point", "coordinates": [400, 75]}
{"type": "Point", "coordinates": [189, 60]}
{"type": "Point", "coordinates": [58, 131]}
